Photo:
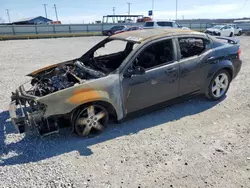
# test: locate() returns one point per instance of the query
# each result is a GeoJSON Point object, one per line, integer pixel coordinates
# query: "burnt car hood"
{"type": "Point", "coordinates": [46, 68]}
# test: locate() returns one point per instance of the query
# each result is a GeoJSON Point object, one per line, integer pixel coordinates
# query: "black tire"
{"type": "Point", "coordinates": [80, 114]}
{"type": "Point", "coordinates": [239, 33]}
{"type": "Point", "coordinates": [109, 33]}
{"type": "Point", "coordinates": [210, 93]}
{"type": "Point", "coordinates": [231, 34]}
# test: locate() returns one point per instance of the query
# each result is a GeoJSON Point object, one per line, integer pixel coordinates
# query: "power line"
{"type": "Point", "coordinates": [8, 14]}
{"type": "Point", "coordinates": [45, 5]}
{"type": "Point", "coordinates": [243, 5]}
{"type": "Point", "coordinates": [208, 3]}
{"type": "Point", "coordinates": [56, 12]}
{"type": "Point", "coordinates": [199, 5]}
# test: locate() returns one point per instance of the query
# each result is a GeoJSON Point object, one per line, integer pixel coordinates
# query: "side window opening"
{"type": "Point", "coordinates": [149, 24]}
{"type": "Point", "coordinates": [110, 58]}
{"type": "Point", "coordinates": [156, 54]}
{"type": "Point", "coordinates": [192, 46]}
{"type": "Point", "coordinates": [162, 24]}
{"type": "Point", "coordinates": [175, 25]}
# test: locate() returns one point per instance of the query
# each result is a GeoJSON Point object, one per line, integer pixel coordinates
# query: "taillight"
{"type": "Point", "coordinates": [239, 52]}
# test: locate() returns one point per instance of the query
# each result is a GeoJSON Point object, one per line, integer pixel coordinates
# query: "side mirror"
{"type": "Point", "coordinates": [139, 70]}
{"type": "Point", "coordinates": [136, 71]}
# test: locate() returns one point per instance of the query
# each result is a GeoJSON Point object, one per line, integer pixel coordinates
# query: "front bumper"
{"type": "Point", "coordinates": [213, 33]}
{"type": "Point", "coordinates": [24, 111]}
{"type": "Point", "coordinates": [19, 121]}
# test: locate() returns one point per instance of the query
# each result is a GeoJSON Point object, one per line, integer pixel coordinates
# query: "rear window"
{"type": "Point", "coordinates": [191, 46]}
{"type": "Point", "coordinates": [165, 24]}
{"type": "Point", "coordinates": [149, 24]}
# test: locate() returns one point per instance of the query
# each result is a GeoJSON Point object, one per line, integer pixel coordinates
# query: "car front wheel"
{"type": "Point", "coordinates": [219, 85]}
{"type": "Point", "coordinates": [90, 118]}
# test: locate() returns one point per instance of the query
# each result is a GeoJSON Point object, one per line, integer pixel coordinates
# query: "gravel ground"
{"type": "Point", "coordinates": [193, 144]}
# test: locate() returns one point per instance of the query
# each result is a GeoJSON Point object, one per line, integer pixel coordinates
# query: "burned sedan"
{"type": "Point", "coordinates": [124, 74]}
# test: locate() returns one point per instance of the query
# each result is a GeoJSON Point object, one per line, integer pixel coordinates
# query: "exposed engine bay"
{"type": "Point", "coordinates": [67, 75]}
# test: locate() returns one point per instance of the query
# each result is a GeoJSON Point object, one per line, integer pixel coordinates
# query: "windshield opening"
{"type": "Point", "coordinates": [108, 55]}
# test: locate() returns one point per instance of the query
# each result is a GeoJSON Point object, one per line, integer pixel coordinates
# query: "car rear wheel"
{"type": "Point", "coordinates": [219, 85]}
{"type": "Point", "coordinates": [109, 33]}
{"type": "Point", "coordinates": [231, 34]}
{"type": "Point", "coordinates": [239, 33]}
{"type": "Point", "coordinates": [91, 118]}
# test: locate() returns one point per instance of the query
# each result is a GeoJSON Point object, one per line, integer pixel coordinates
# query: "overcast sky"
{"type": "Point", "coordinates": [77, 11]}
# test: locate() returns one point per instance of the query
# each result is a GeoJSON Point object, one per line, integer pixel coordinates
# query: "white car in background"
{"type": "Point", "coordinates": [237, 30]}
{"type": "Point", "coordinates": [221, 30]}
{"type": "Point", "coordinates": [163, 24]}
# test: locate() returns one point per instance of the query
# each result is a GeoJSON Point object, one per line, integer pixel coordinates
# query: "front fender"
{"type": "Point", "coordinates": [105, 89]}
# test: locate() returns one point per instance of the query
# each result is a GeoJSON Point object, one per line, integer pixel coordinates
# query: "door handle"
{"type": "Point", "coordinates": [171, 70]}
{"type": "Point", "coordinates": [210, 59]}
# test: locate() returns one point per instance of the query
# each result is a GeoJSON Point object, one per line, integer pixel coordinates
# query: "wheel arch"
{"type": "Point", "coordinates": [108, 106]}
{"type": "Point", "coordinates": [225, 64]}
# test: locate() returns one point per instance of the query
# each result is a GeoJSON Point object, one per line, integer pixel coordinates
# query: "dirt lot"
{"type": "Point", "coordinates": [194, 144]}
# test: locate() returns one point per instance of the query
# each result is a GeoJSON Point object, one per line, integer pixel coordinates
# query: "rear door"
{"type": "Point", "coordinates": [193, 55]}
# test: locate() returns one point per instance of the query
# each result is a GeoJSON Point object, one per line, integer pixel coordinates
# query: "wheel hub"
{"type": "Point", "coordinates": [220, 85]}
{"type": "Point", "coordinates": [91, 119]}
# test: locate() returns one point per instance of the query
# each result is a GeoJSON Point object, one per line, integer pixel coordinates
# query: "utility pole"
{"type": "Point", "coordinates": [113, 10]}
{"type": "Point", "coordinates": [56, 12]}
{"type": "Point", "coordinates": [176, 10]}
{"type": "Point", "coordinates": [45, 6]}
{"type": "Point", "coordinates": [8, 14]}
{"type": "Point", "coordinates": [129, 8]}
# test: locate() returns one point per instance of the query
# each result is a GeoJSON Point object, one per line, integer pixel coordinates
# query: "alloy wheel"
{"type": "Point", "coordinates": [93, 117]}
{"type": "Point", "coordinates": [220, 85]}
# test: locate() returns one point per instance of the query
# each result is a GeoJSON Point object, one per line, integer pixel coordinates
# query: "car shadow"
{"type": "Point", "coordinates": [32, 149]}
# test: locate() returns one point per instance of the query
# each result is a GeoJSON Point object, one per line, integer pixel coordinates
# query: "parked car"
{"type": "Point", "coordinates": [113, 29]}
{"type": "Point", "coordinates": [144, 19]}
{"type": "Point", "coordinates": [140, 71]}
{"type": "Point", "coordinates": [129, 29]}
{"type": "Point", "coordinates": [237, 30]}
{"type": "Point", "coordinates": [220, 30]}
{"type": "Point", "coordinates": [163, 24]}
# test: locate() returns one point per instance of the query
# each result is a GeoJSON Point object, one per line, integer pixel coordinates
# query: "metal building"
{"type": "Point", "coordinates": [32, 21]}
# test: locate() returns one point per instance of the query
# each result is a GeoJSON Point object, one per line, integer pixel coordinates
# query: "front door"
{"type": "Point", "coordinates": [160, 81]}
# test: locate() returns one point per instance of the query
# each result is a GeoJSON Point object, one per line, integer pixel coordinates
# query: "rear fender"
{"type": "Point", "coordinates": [224, 64]}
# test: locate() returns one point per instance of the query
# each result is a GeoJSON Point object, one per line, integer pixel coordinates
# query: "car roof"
{"type": "Point", "coordinates": [140, 36]}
